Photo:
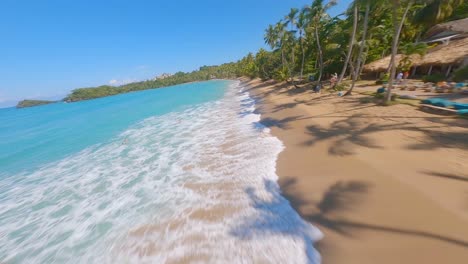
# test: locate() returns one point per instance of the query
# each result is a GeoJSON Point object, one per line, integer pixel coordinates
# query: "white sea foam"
{"type": "Point", "coordinates": [197, 186]}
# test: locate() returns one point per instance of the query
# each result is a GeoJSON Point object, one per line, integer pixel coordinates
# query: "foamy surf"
{"type": "Point", "coordinates": [194, 186]}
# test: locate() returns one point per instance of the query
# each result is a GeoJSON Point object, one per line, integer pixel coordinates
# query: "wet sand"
{"type": "Point", "coordinates": [384, 184]}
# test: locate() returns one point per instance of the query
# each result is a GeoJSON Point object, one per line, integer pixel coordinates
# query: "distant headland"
{"type": "Point", "coordinates": [224, 71]}
{"type": "Point", "coordinates": [31, 103]}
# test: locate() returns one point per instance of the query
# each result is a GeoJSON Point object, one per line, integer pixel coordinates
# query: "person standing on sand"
{"type": "Point", "coordinates": [333, 80]}
{"type": "Point", "coordinates": [399, 77]}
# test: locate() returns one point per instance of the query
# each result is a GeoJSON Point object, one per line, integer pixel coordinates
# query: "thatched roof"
{"type": "Point", "coordinates": [453, 53]}
{"type": "Point", "coordinates": [453, 27]}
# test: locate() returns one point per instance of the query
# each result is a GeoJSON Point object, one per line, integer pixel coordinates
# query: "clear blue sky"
{"type": "Point", "coordinates": [50, 47]}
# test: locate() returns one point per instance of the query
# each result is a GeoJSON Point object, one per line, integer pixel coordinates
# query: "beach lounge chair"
{"type": "Point", "coordinates": [438, 109]}
{"type": "Point", "coordinates": [463, 112]}
{"type": "Point", "coordinates": [460, 106]}
{"type": "Point", "coordinates": [438, 102]}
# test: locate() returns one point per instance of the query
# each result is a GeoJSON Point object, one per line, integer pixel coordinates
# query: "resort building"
{"type": "Point", "coordinates": [162, 76]}
{"type": "Point", "coordinates": [448, 51]}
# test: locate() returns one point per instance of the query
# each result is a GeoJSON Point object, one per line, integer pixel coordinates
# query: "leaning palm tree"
{"type": "Point", "coordinates": [444, 7]}
{"type": "Point", "coordinates": [397, 27]}
{"type": "Point", "coordinates": [362, 45]}
{"type": "Point", "coordinates": [315, 12]}
{"type": "Point", "coordinates": [351, 43]}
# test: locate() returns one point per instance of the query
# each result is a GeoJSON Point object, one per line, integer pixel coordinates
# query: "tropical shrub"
{"type": "Point", "coordinates": [434, 78]}
{"type": "Point", "coordinates": [340, 87]}
{"type": "Point", "coordinates": [383, 79]}
{"type": "Point", "coordinates": [461, 74]}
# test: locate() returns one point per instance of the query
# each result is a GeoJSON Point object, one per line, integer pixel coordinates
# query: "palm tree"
{"type": "Point", "coordinates": [290, 19]}
{"type": "Point", "coordinates": [261, 58]}
{"type": "Point", "coordinates": [282, 41]}
{"type": "Point", "coordinates": [351, 44]}
{"type": "Point", "coordinates": [315, 13]}
{"type": "Point", "coordinates": [436, 11]}
{"type": "Point", "coordinates": [396, 38]}
{"type": "Point", "coordinates": [301, 26]}
{"type": "Point", "coordinates": [362, 45]}
{"type": "Point", "coordinates": [408, 50]}
{"type": "Point", "coordinates": [271, 37]}
{"type": "Point", "coordinates": [444, 9]}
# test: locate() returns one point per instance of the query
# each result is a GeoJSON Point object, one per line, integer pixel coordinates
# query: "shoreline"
{"type": "Point", "coordinates": [384, 185]}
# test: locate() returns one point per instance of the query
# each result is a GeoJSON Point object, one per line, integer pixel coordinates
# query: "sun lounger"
{"type": "Point", "coordinates": [463, 112]}
{"type": "Point", "coordinates": [460, 106]}
{"type": "Point", "coordinates": [438, 102]}
{"type": "Point", "coordinates": [438, 109]}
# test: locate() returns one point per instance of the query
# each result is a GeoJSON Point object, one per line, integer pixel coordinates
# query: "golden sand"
{"type": "Point", "coordinates": [384, 184]}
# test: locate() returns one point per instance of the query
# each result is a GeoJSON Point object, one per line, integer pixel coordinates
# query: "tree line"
{"type": "Point", "coordinates": [224, 71]}
{"type": "Point", "coordinates": [308, 42]}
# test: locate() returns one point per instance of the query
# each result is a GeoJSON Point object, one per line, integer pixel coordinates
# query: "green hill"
{"type": "Point", "coordinates": [30, 103]}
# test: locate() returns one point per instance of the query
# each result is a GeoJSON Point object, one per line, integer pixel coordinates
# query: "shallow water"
{"type": "Point", "coordinates": [180, 174]}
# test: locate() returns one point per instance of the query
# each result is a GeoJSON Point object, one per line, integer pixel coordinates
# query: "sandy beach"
{"type": "Point", "coordinates": [384, 184]}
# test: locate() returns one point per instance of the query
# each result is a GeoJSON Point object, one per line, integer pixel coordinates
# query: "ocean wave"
{"type": "Point", "coordinates": [191, 186]}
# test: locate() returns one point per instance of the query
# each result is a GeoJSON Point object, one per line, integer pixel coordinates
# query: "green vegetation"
{"type": "Point", "coordinates": [409, 49]}
{"type": "Point", "coordinates": [30, 103]}
{"type": "Point", "coordinates": [461, 74]}
{"type": "Point", "coordinates": [383, 79]}
{"type": "Point", "coordinates": [309, 44]}
{"type": "Point", "coordinates": [378, 98]}
{"type": "Point", "coordinates": [435, 78]}
{"type": "Point", "coordinates": [228, 70]}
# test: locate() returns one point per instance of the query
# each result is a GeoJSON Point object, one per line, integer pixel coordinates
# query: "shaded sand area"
{"type": "Point", "coordinates": [384, 184]}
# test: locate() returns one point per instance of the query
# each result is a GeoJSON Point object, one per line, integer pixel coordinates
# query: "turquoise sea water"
{"type": "Point", "coordinates": [32, 136]}
{"type": "Point", "coordinates": [166, 175]}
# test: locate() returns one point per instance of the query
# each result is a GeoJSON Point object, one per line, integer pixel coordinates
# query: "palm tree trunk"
{"type": "Point", "coordinates": [319, 53]}
{"type": "Point", "coordinates": [361, 49]}
{"type": "Point", "coordinates": [283, 59]}
{"type": "Point", "coordinates": [350, 48]}
{"type": "Point", "coordinates": [364, 57]}
{"type": "Point", "coordinates": [285, 63]}
{"type": "Point", "coordinates": [303, 58]}
{"type": "Point", "coordinates": [396, 39]}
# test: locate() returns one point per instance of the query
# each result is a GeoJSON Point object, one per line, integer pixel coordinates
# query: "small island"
{"type": "Point", "coordinates": [30, 103]}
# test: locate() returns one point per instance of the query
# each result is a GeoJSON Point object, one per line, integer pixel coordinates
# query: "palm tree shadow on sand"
{"type": "Point", "coordinates": [276, 217]}
{"type": "Point", "coordinates": [342, 196]}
